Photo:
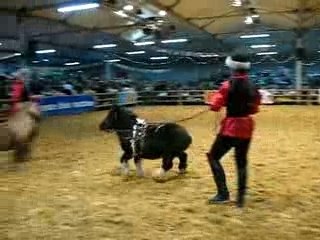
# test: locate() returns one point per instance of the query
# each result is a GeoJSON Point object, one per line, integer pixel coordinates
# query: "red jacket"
{"type": "Point", "coordinates": [239, 127]}
{"type": "Point", "coordinates": [18, 94]}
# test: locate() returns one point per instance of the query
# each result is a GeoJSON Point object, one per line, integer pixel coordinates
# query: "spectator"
{"type": "Point", "coordinates": [68, 88]}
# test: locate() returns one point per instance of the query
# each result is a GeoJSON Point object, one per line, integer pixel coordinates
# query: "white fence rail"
{"type": "Point", "coordinates": [105, 100]}
{"type": "Point", "coordinates": [304, 96]}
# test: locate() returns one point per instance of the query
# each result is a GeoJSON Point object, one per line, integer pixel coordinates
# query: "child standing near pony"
{"type": "Point", "coordinates": [241, 99]}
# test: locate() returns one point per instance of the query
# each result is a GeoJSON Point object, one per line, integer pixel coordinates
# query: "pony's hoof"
{"type": "Point", "coordinates": [182, 171]}
{"type": "Point", "coordinates": [159, 175]}
{"type": "Point", "coordinates": [125, 169]}
{"type": "Point", "coordinates": [125, 172]}
{"type": "Point", "coordinates": [140, 174]}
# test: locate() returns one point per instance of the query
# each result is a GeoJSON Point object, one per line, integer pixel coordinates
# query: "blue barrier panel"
{"type": "Point", "coordinates": [66, 105]}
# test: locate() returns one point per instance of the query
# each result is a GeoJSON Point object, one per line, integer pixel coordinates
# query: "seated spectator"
{"type": "Point", "coordinates": [68, 88]}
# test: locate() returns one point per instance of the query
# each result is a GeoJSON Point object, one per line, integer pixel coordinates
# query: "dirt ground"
{"type": "Point", "coordinates": [69, 191]}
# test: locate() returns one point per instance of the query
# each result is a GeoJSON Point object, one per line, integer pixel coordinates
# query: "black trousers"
{"type": "Point", "coordinates": [219, 148]}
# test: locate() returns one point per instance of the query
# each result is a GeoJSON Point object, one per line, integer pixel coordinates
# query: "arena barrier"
{"type": "Point", "coordinates": [172, 97]}
{"type": "Point", "coordinates": [4, 107]}
{"type": "Point", "coordinates": [123, 98]}
{"type": "Point", "coordinates": [288, 96]}
{"type": "Point", "coordinates": [66, 105]}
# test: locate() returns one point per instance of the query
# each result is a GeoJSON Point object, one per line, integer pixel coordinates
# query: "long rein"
{"type": "Point", "coordinates": [196, 115]}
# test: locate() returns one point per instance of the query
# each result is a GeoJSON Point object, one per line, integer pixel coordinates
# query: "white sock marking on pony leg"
{"type": "Point", "coordinates": [125, 168]}
{"type": "Point", "coordinates": [139, 169]}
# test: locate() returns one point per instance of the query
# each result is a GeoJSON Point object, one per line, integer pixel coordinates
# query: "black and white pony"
{"type": "Point", "coordinates": [140, 140]}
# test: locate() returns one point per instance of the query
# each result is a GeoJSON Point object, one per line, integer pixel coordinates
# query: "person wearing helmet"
{"type": "Point", "coordinates": [241, 99]}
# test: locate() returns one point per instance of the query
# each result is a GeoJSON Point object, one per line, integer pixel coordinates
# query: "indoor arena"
{"type": "Point", "coordinates": [160, 120]}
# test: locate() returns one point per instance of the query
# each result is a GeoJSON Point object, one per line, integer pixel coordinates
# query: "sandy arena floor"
{"type": "Point", "coordinates": [69, 192]}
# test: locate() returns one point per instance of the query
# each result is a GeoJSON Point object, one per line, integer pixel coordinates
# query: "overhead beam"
{"type": "Point", "coordinates": [237, 14]}
{"type": "Point", "coordinates": [95, 29]}
{"type": "Point", "coordinates": [62, 46]}
{"type": "Point", "coordinates": [191, 24]}
{"type": "Point", "coordinates": [176, 15]}
{"type": "Point", "coordinates": [8, 51]}
{"type": "Point", "coordinates": [61, 22]}
{"type": "Point", "coordinates": [55, 57]}
{"type": "Point", "coordinates": [86, 49]}
{"type": "Point", "coordinates": [73, 27]}
{"type": "Point", "coordinates": [204, 26]}
{"type": "Point", "coordinates": [253, 32]}
{"type": "Point", "coordinates": [34, 16]}
{"type": "Point", "coordinates": [112, 8]}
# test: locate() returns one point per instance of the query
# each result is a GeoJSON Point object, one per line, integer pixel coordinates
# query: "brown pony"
{"type": "Point", "coordinates": [20, 131]}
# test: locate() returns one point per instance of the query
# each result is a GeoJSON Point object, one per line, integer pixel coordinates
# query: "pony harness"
{"type": "Point", "coordinates": [138, 137]}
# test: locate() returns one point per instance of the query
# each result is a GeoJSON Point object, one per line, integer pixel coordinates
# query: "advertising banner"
{"type": "Point", "coordinates": [66, 105]}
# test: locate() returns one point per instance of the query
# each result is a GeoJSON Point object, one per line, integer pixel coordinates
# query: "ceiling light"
{"type": "Point", "coordinates": [174, 40]}
{"type": "Point", "coordinates": [162, 13]}
{"type": "Point", "coordinates": [263, 46]}
{"type": "Point", "coordinates": [121, 14]}
{"type": "Point", "coordinates": [10, 56]}
{"type": "Point", "coordinates": [319, 51]}
{"type": "Point", "coordinates": [35, 61]}
{"type": "Point", "coordinates": [0, 43]}
{"type": "Point", "coordinates": [112, 60]}
{"type": "Point", "coordinates": [248, 20]}
{"type": "Point", "coordinates": [128, 8]}
{"type": "Point", "coordinates": [46, 51]}
{"type": "Point", "coordinates": [159, 58]}
{"type": "Point", "coordinates": [104, 46]}
{"type": "Point", "coordinates": [45, 60]}
{"type": "Point", "coordinates": [71, 63]}
{"type": "Point", "coordinates": [255, 36]}
{"type": "Point", "coordinates": [78, 7]}
{"type": "Point", "coordinates": [255, 16]}
{"type": "Point", "coordinates": [236, 3]}
{"type": "Point", "coordinates": [144, 43]}
{"type": "Point", "coordinates": [160, 21]}
{"type": "Point", "coordinates": [135, 53]}
{"type": "Point", "coordinates": [209, 55]}
{"type": "Point", "coordinates": [267, 53]}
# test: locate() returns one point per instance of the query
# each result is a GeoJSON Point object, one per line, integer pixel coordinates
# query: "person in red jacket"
{"type": "Point", "coordinates": [241, 99]}
{"type": "Point", "coordinates": [19, 91]}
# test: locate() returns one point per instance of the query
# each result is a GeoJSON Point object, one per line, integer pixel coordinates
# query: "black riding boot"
{"type": "Point", "coordinates": [242, 182]}
{"type": "Point", "coordinates": [219, 198]}
{"type": "Point", "coordinates": [220, 181]}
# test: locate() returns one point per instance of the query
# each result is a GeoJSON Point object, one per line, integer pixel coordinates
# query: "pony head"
{"type": "Point", "coordinates": [117, 118]}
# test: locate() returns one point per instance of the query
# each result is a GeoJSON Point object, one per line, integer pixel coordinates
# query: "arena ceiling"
{"type": "Point", "coordinates": [210, 26]}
